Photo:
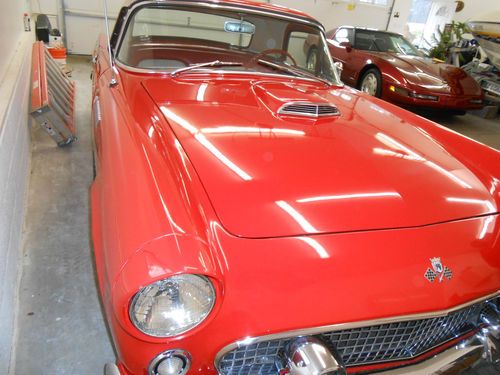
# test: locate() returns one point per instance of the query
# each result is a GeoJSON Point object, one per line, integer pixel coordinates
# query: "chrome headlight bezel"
{"type": "Point", "coordinates": [142, 293]}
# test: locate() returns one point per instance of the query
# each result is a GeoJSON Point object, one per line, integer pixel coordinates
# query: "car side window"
{"type": "Point", "coordinates": [299, 46]}
{"type": "Point", "coordinates": [344, 35]}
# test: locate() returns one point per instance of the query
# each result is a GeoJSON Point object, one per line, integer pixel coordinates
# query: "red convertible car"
{"type": "Point", "coordinates": [251, 215]}
{"type": "Point", "coordinates": [386, 65]}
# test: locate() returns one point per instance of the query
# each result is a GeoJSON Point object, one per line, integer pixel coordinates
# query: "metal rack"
{"type": "Point", "coordinates": [52, 97]}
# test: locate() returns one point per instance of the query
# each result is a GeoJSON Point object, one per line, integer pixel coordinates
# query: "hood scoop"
{"type": "Point", "coordinates": [308, 109]}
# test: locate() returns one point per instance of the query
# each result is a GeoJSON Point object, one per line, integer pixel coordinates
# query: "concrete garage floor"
{"type": "Point", "coordinates": [60, 324]}
{"type": "Point", "coordinates": [482, 130]}
{"type": "Point", "coordinates": [61, 329]}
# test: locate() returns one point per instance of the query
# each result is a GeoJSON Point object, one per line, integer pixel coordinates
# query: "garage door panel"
{"type": "Point", "coordinates": [85, 21]}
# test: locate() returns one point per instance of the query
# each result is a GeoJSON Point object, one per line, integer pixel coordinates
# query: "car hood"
{"type": "Point", "coordinates": [425, 73]}
{"type": "Point", "coordinates": [269, 175]}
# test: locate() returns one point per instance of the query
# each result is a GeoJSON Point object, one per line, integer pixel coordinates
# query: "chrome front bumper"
{"type": "Point", "coordinates": [111, 369]}
{"type": "Point", "coordinates": [484, 347]}
{"type": "Point", "coordinates": [308, 356]}
{"type": "Point", "coordinates": [480, 348]}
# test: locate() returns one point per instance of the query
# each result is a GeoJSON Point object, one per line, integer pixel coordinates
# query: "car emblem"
{"type": "Point", "coordinates": [438, 271]}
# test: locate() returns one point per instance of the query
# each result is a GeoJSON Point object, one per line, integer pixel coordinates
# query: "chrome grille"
{"type": "Point", "coordinates": [361, 346]}
{"type": "Point", "coordinates": [403, 340]}
{"type": "Point", "coordinates": [309, 109]}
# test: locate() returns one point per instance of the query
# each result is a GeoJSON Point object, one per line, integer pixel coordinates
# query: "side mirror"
{"type": "Point", "coordinates": [347, 46]}
{"type": "Point", "coordinates": [339, 66]}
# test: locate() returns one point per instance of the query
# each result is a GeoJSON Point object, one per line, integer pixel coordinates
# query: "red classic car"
{"type": "Point", "coordinates": [386, 65]}
{"type": "Point", "coordinates": [251, 215]}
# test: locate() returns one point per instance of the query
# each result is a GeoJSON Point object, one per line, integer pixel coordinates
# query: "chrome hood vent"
{"type": "Point", "coordinates": [308, 109]}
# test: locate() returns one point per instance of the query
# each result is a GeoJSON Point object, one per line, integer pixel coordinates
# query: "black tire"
{"type": "Point", "coordinates": [366, 82]}
{"type": "Point", "coordinates": [312, 59]}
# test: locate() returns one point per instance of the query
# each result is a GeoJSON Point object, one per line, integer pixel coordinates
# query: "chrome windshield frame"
{"type": "Point", "coordinates": [209, 4]}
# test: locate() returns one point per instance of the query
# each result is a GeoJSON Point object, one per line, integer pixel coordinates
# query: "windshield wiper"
{"type": "Point", "coordinates": [209, 64]}
{"type": "Point", "coordinates": [293, 71]}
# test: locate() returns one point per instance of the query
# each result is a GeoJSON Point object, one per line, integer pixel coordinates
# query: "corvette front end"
{"type": "Point", "coordinates": [411, 97]}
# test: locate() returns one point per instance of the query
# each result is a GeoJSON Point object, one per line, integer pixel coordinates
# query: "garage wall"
{"type": "Point", "coordinates": [475, 8]}
{"type": "Point", "coordinates": [335, 13]}
{"type": "Point", "coordinates": [14, 158]}
{"type": "Point", "coordinates": [84, 17]}
{"type": "Point", "coordinates": [11, 29]}
{"type": "Point", "coordinates": [84, 21]}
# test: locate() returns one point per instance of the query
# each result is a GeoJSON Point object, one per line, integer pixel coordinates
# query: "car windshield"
{"type": "Point", "coordinates": [170, 38]}
{"type": "Point", "coordinates": [370, 40]}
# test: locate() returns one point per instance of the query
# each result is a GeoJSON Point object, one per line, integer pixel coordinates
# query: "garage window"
{"type": "Point", "coordinates": [344, 35]}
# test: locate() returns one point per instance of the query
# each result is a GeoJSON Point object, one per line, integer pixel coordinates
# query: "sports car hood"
{"type": "Point", "coordinates": [441, 78]}
{"type": "Point", "coordinates": [270, 175]}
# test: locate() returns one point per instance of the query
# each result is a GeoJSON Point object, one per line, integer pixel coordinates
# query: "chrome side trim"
{"type": "Point", "coordinates": [97, 112]}
{"type": "Point", "coordinates": [342, 326]}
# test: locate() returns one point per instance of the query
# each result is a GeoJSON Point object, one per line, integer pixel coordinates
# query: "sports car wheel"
{"type": "Point", "coordinates": [371, 82]}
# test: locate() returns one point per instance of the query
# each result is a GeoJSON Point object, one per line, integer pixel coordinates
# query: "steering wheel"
{"type": "Point", "coordinates": [280, 52]}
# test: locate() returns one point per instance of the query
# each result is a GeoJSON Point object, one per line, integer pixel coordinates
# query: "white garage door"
{"type": "Point", "coordinates": [85, 21]}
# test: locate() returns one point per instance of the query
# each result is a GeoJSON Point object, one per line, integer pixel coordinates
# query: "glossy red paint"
{"type": "Point", "coordinates": [283, 214]}
{"type": "Point", "coordinates": [454, 88]}
{"type": "Point", "coordinates": [263, 152]}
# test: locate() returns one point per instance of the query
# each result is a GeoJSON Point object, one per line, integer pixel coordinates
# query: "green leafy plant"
{"type": "Point", "coordinates": [446, 38]}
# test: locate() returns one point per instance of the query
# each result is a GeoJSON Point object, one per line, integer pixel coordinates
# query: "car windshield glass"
{"type": "Point", "coordinates": [370, 40]}
{"type": "Point", "coordinates": [169, 38]}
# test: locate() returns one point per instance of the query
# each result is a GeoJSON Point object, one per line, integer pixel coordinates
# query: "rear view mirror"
{"type": "Point", "coordinates": [347, 46]}
{"type": "Point", "coordinates": [242, 27]}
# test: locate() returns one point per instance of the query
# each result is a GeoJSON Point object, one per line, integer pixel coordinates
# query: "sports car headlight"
{"type": "Point", "coordinates": [172, 306]}
{"type": "Point", "coordinates": [434, 98]}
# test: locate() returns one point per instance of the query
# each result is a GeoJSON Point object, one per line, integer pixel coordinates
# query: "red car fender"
{"type": "Point", "coordinates": [161, 258]}
{"type": "Point", "coordinates": [481, 159]}
{"type": "Point", "coordinates": [180, 215]}
{"type": "Point", "coordinates": [390, 74]}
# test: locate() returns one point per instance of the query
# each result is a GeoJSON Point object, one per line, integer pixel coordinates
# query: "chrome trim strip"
{"type": "Point", "coordinates": [282, 110]}
{"type": "Point", "coordinates": [97, 112]}
{"type": "Point", "coordinates": [343, 326]}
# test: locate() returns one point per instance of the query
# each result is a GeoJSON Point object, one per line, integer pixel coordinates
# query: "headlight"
{"type": "Point", "coordinates": [172, 306]}
{"type": "Point", "coordinates": [424, 96]}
